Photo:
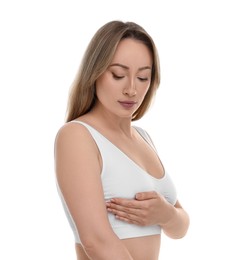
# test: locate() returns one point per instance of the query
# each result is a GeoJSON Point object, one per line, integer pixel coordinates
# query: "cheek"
{"type": "Point", "coordinates": [105, 82]}
{"type": "Point", "coordinates": [144, 89]}
{"type": "Point", "coordinates": [105, 89]}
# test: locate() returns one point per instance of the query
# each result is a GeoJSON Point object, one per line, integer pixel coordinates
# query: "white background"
{"type": "Point", "coordinates": [196, 120]}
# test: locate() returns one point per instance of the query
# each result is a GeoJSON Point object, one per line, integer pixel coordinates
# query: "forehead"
{"type": "Point", "coordinates": [132, 52]}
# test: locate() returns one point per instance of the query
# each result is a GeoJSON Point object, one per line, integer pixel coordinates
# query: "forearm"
{"type": "Point", "coordinates": [177, 225]}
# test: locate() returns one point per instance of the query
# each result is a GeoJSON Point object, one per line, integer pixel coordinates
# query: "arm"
{"type": "Point", "coordinates": [177, 225]}
{"type": "Point", "coordinates": [151, 208]}
{"type": "Point", "coordinates": [78, 174]}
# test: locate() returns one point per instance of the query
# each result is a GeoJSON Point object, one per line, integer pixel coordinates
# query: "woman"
{"type": "Point", "coordinates": [114, 189]}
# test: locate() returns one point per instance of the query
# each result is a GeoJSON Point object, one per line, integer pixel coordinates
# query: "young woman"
{"type": "Point", "coordinates": [113, 186]}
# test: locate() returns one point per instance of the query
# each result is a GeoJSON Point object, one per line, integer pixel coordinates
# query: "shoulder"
{"type": "Point", "coordinates": [69, 129]}
{"type": "Point", "coordinates": [141, 131]}
{"type": "Point", "coordinates": [145, 135]}
{"type": "Point", "coordinates": [73, 136]}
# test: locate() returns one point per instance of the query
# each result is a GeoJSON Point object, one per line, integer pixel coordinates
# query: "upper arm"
{"type": "Point", "coordinates": [78, 176]}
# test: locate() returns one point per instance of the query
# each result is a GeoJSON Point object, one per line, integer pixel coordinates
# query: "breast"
{"type": "Point", "coordinates": [123, 178]}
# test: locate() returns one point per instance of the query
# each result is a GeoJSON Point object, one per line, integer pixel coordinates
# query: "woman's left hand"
{"type": "Point", "coordinates": [148, 208]}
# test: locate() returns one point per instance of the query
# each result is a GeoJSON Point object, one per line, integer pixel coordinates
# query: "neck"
{"type": "Point", "coordinates": [109, 121]}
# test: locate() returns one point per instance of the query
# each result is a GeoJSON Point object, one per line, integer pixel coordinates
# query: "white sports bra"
{"type": "Point", "coordinates": [123, 178]}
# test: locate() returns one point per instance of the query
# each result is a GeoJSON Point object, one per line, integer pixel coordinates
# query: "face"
{"type": "Point", "coordinates": [123, 86]}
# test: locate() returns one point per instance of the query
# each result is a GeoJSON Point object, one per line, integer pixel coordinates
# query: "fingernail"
{"type": "Point", "coordinates": [138, 196]}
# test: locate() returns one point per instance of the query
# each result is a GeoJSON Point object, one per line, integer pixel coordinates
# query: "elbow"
{"type": "Point", "coordinates": [91, 246]}
{"type": "Point", "coordinates": [105, 248]}
{"type": "Point", "coordinates": [179, 234]}
{"type": "Point", "coordinates": [98, 247]}
{"type": "Point", "coordinates": [184, 228]}
{"type": "Point", "coordinates": [180, 230]}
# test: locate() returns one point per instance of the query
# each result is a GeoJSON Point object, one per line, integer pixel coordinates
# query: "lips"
{"type": "Point", "coordinates": [127, 104]}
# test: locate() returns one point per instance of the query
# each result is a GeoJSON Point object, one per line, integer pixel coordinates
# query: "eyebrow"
{"type": "Point", "coordinates": [126, 67]}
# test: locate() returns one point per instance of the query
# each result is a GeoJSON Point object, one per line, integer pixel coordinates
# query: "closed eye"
{"type": "Point", "coordinates": [117, 77]}
{"type": "Point", "coordinates": [143, 79]}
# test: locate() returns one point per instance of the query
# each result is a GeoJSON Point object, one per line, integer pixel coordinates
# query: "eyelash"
{"type": "Point", "coordinates": [117, 77]}
{"type": "Point", "coordinates": [121, 77]}
{"type": "Point", "coordinates": [143, 79]}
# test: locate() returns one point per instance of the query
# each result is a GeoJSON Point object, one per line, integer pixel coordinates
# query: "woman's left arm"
{"type": "Point", "coordinates": [151, 208]}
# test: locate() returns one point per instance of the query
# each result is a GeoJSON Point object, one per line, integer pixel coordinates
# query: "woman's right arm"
{"type": "Point", "coordinates": [78, 170]}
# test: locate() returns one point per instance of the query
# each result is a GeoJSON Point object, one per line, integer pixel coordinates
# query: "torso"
{"type": "Point", "coordinates": [146, 247]}
{"type": "Point", "coordinates": [143, 155]}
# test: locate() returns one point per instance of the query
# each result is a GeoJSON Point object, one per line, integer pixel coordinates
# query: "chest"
{"type": "Point", "coordinates": [128, 171]}
{"type": "Point", "coordinates": [123, 178]}
{"type": "Point", "coordinates": [143, 155]}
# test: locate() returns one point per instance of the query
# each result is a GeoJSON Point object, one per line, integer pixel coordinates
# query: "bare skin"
{"type": "Point", "coordinates": [142, 248]}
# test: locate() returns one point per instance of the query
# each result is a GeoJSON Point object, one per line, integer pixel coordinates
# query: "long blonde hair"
{"type": "Point", "coordinates": [97, 58]}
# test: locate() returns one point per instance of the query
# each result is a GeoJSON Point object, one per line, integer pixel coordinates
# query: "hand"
{"type": "Point", "coordinates": [148, 208]}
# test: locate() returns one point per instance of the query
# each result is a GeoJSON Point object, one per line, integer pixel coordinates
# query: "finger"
{"type": "Point", "coordinates": [128, 203]}
{"type": "Point", "coordinates": [146, 195]}
{"type": "Point", "coordinates": [129, 219]}
{"type": "Point", "coordinates": [115, 208]}
{"type": "Point", "coordinates": [121, 212]}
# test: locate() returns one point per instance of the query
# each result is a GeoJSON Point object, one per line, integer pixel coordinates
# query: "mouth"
{"type": "Point", "coordinates": [127, 104]}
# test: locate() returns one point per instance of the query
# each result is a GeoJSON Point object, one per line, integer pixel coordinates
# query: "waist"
{"type": "Point", "coordinates": [140, 248]}
{"type": "Point", "coordinates": [147, 247]}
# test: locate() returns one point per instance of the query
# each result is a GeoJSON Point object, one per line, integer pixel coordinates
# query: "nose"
{"type": "Point", "coordinates": [130, 90]}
